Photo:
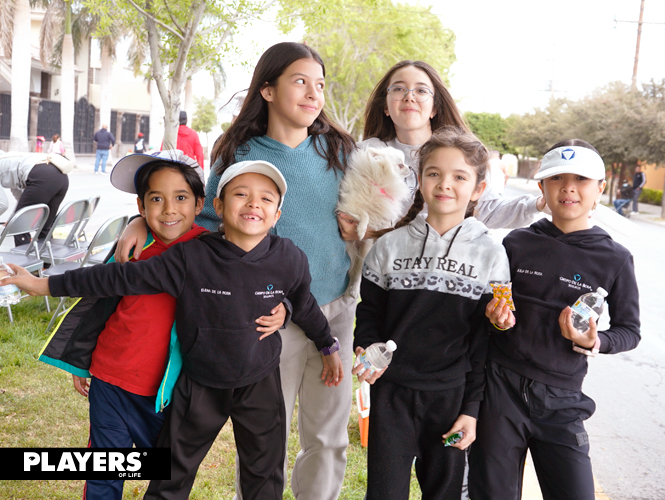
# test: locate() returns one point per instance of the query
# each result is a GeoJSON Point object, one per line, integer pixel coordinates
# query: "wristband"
{"type": "Point", "coordinates": [327, 351]}
{"type": "Point", "coordinates": [502, 329]}
{"type": "Point", "coordinates": [588, 352]}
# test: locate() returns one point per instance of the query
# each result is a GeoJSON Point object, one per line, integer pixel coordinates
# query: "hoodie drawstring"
{"type": "Point", "coordinates": [451, 243]}
{"type": "Point", "coordinates": [422, 252]}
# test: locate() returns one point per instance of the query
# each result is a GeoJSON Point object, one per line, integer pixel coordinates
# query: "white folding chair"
{"type": "Point", "coordinates": [101, 244]}
{"type": "Point", "coordinates": [61, 242]}
{"type": "Point", "coordinates": [92, 206]}
{"type": "Point", "coordinates": [30, 220]}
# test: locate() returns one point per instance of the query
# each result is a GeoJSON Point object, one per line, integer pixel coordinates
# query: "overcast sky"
{"type": "Point", "coordinates": [511, 52]}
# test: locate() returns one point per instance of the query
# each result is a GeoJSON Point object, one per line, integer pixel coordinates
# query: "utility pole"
{"type": "Point", "coordinates": [633, 85]}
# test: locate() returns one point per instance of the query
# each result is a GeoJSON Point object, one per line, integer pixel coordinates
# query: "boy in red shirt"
{"type": "Point", "coordinates": [135, 343]}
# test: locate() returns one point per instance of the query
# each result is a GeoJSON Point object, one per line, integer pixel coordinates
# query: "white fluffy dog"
{"type": "Point", "coordinates": [372, 192]}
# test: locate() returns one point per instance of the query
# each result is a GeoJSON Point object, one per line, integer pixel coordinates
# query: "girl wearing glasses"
{"type": "Point", "coordinates": [407, 105]}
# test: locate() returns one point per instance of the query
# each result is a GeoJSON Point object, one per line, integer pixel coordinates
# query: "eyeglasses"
{"type": "Point", "coordinates": [399, 92]}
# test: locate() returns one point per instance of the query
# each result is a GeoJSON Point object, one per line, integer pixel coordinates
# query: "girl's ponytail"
{"type": "Point", "coordinates": [416, 208]}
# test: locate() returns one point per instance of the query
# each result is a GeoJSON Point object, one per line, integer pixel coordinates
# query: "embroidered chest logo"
{"type": "Point", "coordinates": [269, 292]}
{"type": "Point", "coordinates": [576, 283]}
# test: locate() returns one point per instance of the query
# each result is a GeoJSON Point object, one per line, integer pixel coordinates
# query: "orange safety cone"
{"type": "Point", "coordinates": [362, 400]}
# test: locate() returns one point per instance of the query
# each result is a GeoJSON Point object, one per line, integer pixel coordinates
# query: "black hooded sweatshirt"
{"type": "Point", "coordinates": [220, 291]}
{"type": "Point", "coordinates": [550, 270]}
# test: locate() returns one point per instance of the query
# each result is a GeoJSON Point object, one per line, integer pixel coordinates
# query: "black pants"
{"type": "Point", "coordinates": [406, 423]}
{"type": "Point", "coordinates": [197, 415]}
{"type": "Point", "coordinates": [45, 184]}
{"type": "Point", "coordinates": [519, 414]}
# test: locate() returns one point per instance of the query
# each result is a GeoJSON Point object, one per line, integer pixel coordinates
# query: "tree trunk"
{"type": "Point", "coordinates": [171, 112]}
{"type": "Point", "coordinates": [18, 136]}
{"type": "Point", "coordinates": [189, 99]}
{"type": "Point", "coordinates": [67, 96]}
{"type": "Point", "coordinates": [105, 85]}
{"type": "Point", "coordinates": [156, 116]}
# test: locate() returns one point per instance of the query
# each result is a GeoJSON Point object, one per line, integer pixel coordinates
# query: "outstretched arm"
{"type": "Point", "coordinates": [27, 282]}
{"type": "Point", "coordinates": [497, 212]}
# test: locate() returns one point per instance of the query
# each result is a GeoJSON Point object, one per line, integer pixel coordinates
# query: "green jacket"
{"type": "Point", "coordinates": [74, 339]}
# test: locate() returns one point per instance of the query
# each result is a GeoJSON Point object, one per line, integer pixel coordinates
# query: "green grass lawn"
{"type": "Point", "coordinates": [39, 408]}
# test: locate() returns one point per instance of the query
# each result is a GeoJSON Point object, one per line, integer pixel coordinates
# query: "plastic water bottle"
{"type": "Point", "coordinates": [590, 305]}
{"type": "Point", "coordinates": [9, 294]}
{"type": "Point", "coordinates": [376, 357]}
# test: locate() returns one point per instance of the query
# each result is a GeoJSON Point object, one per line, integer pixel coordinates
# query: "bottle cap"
{"type": "Point", "coordinates": [601, 291]}
{"type": "Point", "coordinates": [391, 346]}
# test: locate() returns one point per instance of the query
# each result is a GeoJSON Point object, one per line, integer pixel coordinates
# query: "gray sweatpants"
{"type": "Point", "coordinates": [323, 412]}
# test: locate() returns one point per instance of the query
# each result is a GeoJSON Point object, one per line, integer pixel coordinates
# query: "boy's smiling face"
{"type": "Point", "coordinates": [248, 208]}
{"type": "Point", "coordinates": [571, 197]}
{"type": "Point", "coordinates": [169, 205]}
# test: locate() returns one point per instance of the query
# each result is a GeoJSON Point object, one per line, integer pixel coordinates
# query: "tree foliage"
{"type": "Point", "coordinates": [359, 40]}
{"type": "Point", "coordinates": [205, 117]}
{"type": "Point", "coordinates": [625, 126]}
{"type": "Point", "coordinates": [183, 38]}
{"type": "Point", "coordinates": [491, 129]}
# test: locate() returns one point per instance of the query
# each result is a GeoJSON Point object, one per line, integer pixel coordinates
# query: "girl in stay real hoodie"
{"type": "Point", "coordinates": [425, 285]}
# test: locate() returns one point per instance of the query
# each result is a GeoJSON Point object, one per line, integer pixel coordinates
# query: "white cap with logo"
{"type": "Point", "coordinates": [572, 160]}
{"type": "Point", "coordinates": [254, 167]}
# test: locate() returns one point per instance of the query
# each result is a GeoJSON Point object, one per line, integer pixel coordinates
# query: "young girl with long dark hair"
{"type": "Point", "coordinates": [410, 103]}
{"type": "Point", "coordinates": [282, 121]}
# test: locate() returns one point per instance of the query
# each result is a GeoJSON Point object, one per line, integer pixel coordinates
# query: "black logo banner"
{"type": "Point", "coordinates": [85, 463]}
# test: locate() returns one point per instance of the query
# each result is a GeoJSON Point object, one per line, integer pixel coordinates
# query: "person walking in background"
{"type": "Point", "coordinates": [56, 145]}
{"type": "Point", "coordinates": [188, 140]}
{"type": "Point", "coordinates": [105, 141]}
{"type": "Point", "coordinates": [639, 180]}
{"type": "Point", "coordinates": [139, 145]}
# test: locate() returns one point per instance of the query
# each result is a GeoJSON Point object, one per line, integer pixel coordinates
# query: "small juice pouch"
{"type": "Point", "coordinates": [504, 291]}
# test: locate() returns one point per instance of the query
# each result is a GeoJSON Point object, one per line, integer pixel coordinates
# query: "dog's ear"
{"type": "Point", "coordinates": [375, 153]}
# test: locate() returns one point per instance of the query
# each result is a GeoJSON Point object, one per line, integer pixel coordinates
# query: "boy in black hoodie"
{"type": "Point", "coordinates": [221, 281]}
{"type": "Point", "coordinates": [537, 359]}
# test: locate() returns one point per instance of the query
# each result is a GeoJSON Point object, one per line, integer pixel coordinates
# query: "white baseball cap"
{"type": "Point", "coordinates": [572, 160]}
{"type": "Point", "coordinates": [254, 167]}
{"type": "Point", "coordinates": [126, 170]}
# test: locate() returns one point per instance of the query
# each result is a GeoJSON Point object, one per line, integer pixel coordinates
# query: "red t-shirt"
{"type": "Point", "coordinates": [133, 348]}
